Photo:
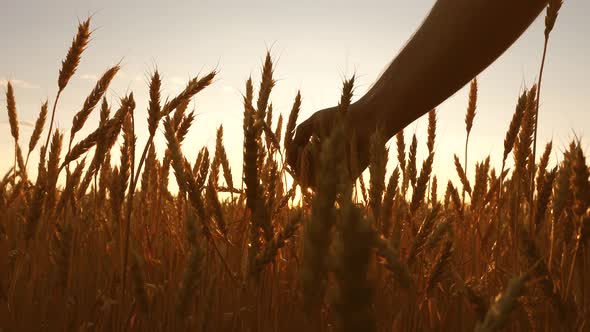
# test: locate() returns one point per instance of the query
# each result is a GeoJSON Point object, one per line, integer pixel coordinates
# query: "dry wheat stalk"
{"type": "Point", "coordinates": [317, 233]}
{"type": "Point", "coordinates": [203, 169]}
{"type": "Point", "coordinates": [440, 265]}
{"type": "Point", "coordinates": [11, 107]}
{"type": "Point", "coordinates": [401, 150]}
{"type": "Point", "coordinates": [293, 115]}
{"type": "Point", "coordinates": [266, 84]}
{"type": "Point", "coordinates": [36, 206]}
{"type": "Point", "coordinates": [511, 138]}
{"type": "Point", "coordinates": [69, 66]}
{"type": "Point", "coordinates": [62, 240]}
{"type": "Point", "coordinates": [363, 189]}
{"type": "Point", "coordinates": [441, 229]}
{"type": "Point", "coordinates": [503, 304]}
{"type": "Point", "coordinates": [250, 165]}
{"type": "Point", "coordinates": [481, 183]}
{"type": "Point", "coordinates": [431, 130]}
{"type": "Point", "coordinates": [411, 172]}
{"type": "Point", "coordinates": [422, 235]}
{"type": "Point", "coordinates": [553, 7]}
{"type": "Point", "coordinates": [462, 175]}
{"type": "Point", "coordinates": [539, 269]}
{"type": "Point", "coordinates": [198, 161]}
{"type": "Point", "coordinates": [138, 279]}
{"type": "Point", "coordinates": [38, 129]}
{"type": "Point", "coordinates": [420, 190]}
{"type": "Point", "coordinates": [179, 114]}
{"type": "Point", "coordinates": [106, 136]}
{"type": "Point", "coordinates": [552, 11]}
{"type": "Point", "coordinates": [388, 200]}
{"type": "Point", "coordinates": [53, 168]}
{"type": "Point", "coordinates": [377, 168]}
{"type": "Point", "coordinates": [543, 198]}
{"type": "Point", "coordinates": [12, 119]}
{"type": "Point", "coordinates": [469, 116]}
{"type": "Point", "coordinates": [399, 270]}
{"type": "Point", "coordinates": [188, 184]}
{"type": "Point", "coordinates": [447, 197]}
{"type": "Point", "coordinates": [279, 130]}
{"type": "Point", "coordinates": [522, 147]}
{"type": "Point", "coordinates": [542, 168]}
{"type": "Point", "coordinates": [579, 181]}
{"type": "Point", "coordinates": [454, 197]}
{"type": "Point", "coordinates": [213, 200]}
{"type": "Point", "coordinates": [353, 300]}
{"type": "Point", "coordinates": [92, 100]}
{"type": "Point", "coordinates": [154, 107]}
{"type": "Point", "coordinates": [72, 60]}
{"type": "Point", "coordinates": [130, 142]}
{"type": "Point", "coordinates": [222, 157]}
{"type": "Point", "coordinates": [20, 161]}
{"type": "Point", "coordinates": [193, 87]}
{"type": "Point", "coordinates": [515, 124]}
{"type": "Point", "coordinates": [109, 130]}
{"type": "Point", "coordinates": [271, 249]}
{"type": "Point", "coordinates": [471, 107]}
{"type": "Point", "coordinates": [155, 112]}
{"type": "Point", "coordinates": [192, 275]}
{"type": "Point", "coordinates": [346, 96]}
{"type": "Point", "coordinates": [433, 191]}
{"type": "Point", "coordinates": [476, 299]}
{"type": "Point", "coordinates": [67, 196]}
{"type": "Point", "coordinates": [184, 126]}
{"type": "Point", "coordinates": [562, 195]}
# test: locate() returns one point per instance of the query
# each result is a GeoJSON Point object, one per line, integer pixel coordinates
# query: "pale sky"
{"type": "Point", "coordinates": [315, 44]}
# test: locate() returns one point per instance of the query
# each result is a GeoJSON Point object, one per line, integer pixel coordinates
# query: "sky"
{"type": "Point", "coordinates": [315, 45]}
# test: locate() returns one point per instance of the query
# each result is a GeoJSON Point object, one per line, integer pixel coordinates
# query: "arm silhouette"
{"type": "Point", "coordinates": [457, 40]}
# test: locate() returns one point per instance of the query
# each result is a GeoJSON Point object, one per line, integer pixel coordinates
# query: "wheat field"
{"type": "Point", "coordinates": [113, 249]}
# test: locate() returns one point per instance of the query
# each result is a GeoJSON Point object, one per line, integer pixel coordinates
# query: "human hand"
{"type": "Point", "coordinates": [359, 125]}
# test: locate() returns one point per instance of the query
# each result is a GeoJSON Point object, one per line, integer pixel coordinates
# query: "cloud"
{"type": "Point", "coordinates": [128, 76]}
{"type": "Point", "coordinates": [18, 83]}
{"type": "Point", "coordinates": [21, 123]}
{"type": "Point", "coordinates": [89, 77]}
{"type": "Point", "coordinates": [26, 124]}
{"type": "Point", "coordinates": [123, 77]}
{"type": "Point", "coordinates": [176, 80]}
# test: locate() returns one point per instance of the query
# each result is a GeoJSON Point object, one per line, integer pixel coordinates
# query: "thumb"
{"type": "Point", "coordinates": [303, 133]}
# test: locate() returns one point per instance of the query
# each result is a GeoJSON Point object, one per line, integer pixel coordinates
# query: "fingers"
{"type": "Point", "coordinates": [318, 125]}
{"type": "Point", "coordinates": [302, 135]}
{"type": "Point", "coordinates": [304, 131]}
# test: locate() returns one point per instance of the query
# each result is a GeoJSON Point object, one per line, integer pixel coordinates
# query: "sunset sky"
{"type": "Point", "coordinates": [315, 44]}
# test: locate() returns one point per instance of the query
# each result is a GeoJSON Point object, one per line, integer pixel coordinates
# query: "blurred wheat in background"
{"type": "Point", "coordinates": [113, 249]}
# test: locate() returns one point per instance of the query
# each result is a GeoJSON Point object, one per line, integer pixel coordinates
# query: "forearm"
{"type": "Point", "coordinates": [458, 40]}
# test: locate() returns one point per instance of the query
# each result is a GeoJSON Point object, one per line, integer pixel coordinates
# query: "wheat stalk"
{"type": "Point", "coordinates": [440, 265]}
{"type": "Point", "coordinates": [69, 66]}
{"type": "Point", "coordinates": [553, 7]}
{"type": "Point", "coordinates": [469, 116]}
{"type": "Point", "coordinates": [92, 100]}
{"type": "Point", "coordinates": [13, 120]}
{"type": "Point", "coordinates": [377, 167]}
{"type": "Point", "coordinates": [462, 176]}
{"type": "Point", "coordinates": [504, 303]}
{"type": "Point", "coordinates": [421, 183]}
{"type": "Point", "coordinates": [411, 164]}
